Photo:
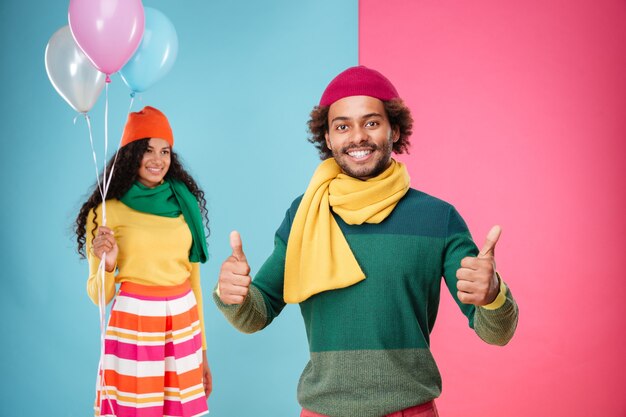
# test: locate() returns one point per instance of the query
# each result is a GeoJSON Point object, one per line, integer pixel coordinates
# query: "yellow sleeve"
{"type": "Point", "coordinates": [194, 279]}
{"type": "Point", "coordinates": [94, 282]}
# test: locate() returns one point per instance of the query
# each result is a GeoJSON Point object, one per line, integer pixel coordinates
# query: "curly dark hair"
{"type": "Point", "coordinates": [124, 175]}
{"type": "Point", "coordinates": [398, 114]}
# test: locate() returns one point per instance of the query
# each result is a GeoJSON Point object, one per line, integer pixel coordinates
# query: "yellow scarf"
{"type": "Point", "coordinates": [318, 256]}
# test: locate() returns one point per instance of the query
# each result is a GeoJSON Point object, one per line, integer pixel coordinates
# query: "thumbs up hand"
{"type": "Point", "coordinates": [234, 280]}
{"type": "Point", "coordinates": [477, 282]}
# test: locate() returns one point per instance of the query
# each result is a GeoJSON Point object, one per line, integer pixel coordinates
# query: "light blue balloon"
{"type": "Point", "coordinates": [155, 55]}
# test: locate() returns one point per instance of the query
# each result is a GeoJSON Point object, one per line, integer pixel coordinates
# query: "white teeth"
{"type": "Point", "coordinates": [359, 154]}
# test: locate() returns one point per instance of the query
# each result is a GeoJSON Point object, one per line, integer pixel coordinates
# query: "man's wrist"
{"type": "Point", "coordinates": [500, 298]}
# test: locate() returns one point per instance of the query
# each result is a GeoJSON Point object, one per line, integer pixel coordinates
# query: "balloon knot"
{"type": "Point", "coordinates": [108, 79]}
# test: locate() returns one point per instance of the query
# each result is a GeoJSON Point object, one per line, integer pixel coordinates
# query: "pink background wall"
{"type": "Point", "coordinates": [520, 120]}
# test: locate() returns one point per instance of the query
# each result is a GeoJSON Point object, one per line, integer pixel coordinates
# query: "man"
{"type": "Point", "coordinates": [363, 254]}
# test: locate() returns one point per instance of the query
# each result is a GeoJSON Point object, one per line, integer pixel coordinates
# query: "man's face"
{"type": "Point", "coordinates": [360, 136]}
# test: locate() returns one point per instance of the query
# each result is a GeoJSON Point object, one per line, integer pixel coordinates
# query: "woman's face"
{"type": "Point", "coordinates": [155, 162]}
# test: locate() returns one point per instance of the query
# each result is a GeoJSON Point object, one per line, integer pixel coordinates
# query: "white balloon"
{"type": "Point", "coordinates": [71, 73]}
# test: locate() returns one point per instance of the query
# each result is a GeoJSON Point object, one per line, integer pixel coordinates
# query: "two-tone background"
{"type": "Point", "coordinates": [519, 120]}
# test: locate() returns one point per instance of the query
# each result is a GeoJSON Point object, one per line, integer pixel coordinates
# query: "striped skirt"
{"type": "Point", "coordinates": [152, 364]}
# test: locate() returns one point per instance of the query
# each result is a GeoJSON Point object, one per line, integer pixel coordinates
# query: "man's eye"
{"type": "Point", "coordinates": [341, 127]}
{"type": "Point", "coordinates": [372, 124]}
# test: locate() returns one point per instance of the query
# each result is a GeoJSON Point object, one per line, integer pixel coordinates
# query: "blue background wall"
{"type": "Point", "coordinates": [238, 98]}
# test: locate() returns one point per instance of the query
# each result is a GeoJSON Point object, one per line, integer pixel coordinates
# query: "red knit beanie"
{"type": "Point", "coordinates": [147, 123]}
{"type": "Point", "coordinates": [358, 81]}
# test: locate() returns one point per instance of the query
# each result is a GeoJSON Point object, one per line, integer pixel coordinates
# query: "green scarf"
{"type": "Point", "coordinates": [170, 199]}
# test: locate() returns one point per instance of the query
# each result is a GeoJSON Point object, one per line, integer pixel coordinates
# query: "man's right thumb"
{"type": "Point", "coordinates": [237, 246]}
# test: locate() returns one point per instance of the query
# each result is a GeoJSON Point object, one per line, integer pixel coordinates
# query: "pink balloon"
{"type": "Point", "coordinates": [108, 31]}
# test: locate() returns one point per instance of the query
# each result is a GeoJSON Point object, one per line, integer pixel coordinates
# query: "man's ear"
{"type": "Point", "coordinates": [327, 137]}
{"type": "Point", "coordinates": [395, 133]}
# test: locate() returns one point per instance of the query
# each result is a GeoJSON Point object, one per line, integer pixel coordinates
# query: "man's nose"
{"type": "Point", "coordinates": [360, 134]}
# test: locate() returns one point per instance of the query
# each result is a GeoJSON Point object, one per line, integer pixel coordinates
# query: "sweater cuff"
{"type": "Point", "coordinates": [220, 304]}
{"type": "Point", "coordinates": [500, 299]}
{"type": "Point", "coordinates": [230, 308]}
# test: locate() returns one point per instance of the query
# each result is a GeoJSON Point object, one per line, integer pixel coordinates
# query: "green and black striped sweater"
{"type": "Point", "coordinates": [369, 342]}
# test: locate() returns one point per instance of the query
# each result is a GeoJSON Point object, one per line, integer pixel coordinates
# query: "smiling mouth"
{"type": "Point", "coordinates": [155, 171]}
{"type": "Point", "coordinates": [359, 154]}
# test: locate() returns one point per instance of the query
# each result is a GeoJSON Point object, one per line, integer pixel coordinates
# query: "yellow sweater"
{"type": "Point", "coordinates": [153, 250]}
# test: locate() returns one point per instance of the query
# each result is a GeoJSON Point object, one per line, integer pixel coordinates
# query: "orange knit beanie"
{"type": "Point", "coordinates": [147, 123]}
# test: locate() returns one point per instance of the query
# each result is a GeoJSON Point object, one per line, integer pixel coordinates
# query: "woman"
{"type": "Point", "coordinates": [155, 347]}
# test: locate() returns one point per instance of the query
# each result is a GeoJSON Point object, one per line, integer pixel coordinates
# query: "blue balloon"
{"type": "Point", "coordinates": [155, 55]}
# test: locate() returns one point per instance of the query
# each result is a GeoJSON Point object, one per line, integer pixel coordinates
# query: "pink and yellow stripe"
{"type": "Point", "coordinates": [152, 363]}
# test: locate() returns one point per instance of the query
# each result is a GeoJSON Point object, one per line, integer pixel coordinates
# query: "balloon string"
{"type": "Point", "coordinates": [106, 149]}
{"type": "Point", "coordinates": [103, 187]}
{"type": "Point", "coordinates": [119, 145]}
{"type": "Point", "coordinates": [93, 151]}
{"type": "Point", "coordinates": [101, 385]}
{"type": "Point", "coordinates": [117, 151]}
{"type": "Point", "coordinates": [132, 100]}
{"type": "Point", "coordinates": [101, 381]}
